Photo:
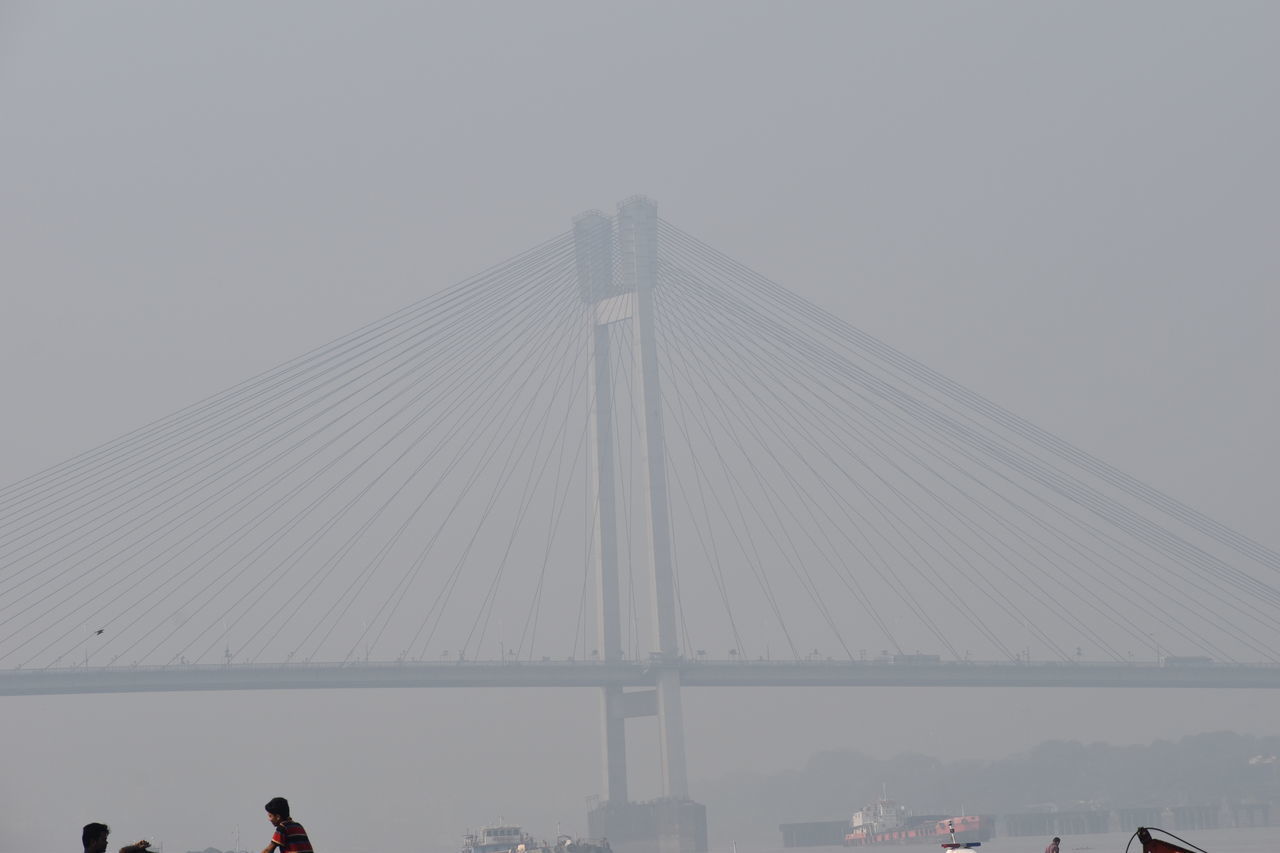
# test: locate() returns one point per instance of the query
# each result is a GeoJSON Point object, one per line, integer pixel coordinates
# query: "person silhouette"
{"type": "Point", "coordinates": [289, 836]}
{"type": "Point", "coordinates": [94, 839]}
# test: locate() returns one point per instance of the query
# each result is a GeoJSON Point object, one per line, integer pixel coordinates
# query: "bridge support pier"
{"type": "Point", "coordinates": [638, 250]}
{"type": "Point", "coordinates": [677, 824]}
{"type": "Point", "coordinates": [593, 236]}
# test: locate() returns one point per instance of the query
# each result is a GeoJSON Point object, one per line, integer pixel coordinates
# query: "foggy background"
{"type": "Point", "coordinates": [1070, 209]}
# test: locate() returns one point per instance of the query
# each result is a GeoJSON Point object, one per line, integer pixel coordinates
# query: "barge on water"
{"type": "Point", "coordinates": [888, 822]}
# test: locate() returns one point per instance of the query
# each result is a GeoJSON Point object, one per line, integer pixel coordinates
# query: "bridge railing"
{"type": "Point", "coordinates": [826, 663]}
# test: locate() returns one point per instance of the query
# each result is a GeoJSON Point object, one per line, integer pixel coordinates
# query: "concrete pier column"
{"type": "Point", "coordinates": [593, 236]}
{"type": "Point", "coordinates": [638, 256]}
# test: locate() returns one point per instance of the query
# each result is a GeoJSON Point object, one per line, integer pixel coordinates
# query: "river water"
{"type": "Point", "coordinates": [1244, 840]}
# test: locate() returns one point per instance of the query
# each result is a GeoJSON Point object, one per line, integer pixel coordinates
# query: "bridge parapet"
{"type": "Point", "coordinates": [576, 673]}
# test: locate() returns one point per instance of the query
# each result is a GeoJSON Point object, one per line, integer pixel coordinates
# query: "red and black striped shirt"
{"type": "Point", "coordinates": [290, 837]}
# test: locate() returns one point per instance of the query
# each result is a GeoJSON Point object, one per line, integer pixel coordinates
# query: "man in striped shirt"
{"type": "Point", "coordinates": [289, 837]}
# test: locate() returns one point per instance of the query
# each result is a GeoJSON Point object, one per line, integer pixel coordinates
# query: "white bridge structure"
{"type": "Point", "coordinates": [395, 509]}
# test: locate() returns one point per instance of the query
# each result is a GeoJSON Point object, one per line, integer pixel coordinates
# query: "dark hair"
{"type": "Point", "coordinates": [278, 806]}
{"type": "Point", "coordinates": [92, 831]}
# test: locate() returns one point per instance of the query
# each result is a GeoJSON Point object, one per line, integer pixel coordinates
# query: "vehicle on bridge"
{"type": "Point", "coordinates": [1186, 660]}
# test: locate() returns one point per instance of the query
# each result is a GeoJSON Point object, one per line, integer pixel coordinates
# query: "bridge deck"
{"type": "Point", "coordinates": [629, 674]}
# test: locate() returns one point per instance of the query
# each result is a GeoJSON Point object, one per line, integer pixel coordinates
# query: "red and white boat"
{"type": "Point", "coordinates": [888, 822]}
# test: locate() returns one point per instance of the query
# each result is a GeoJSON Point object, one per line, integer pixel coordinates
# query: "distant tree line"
{"type": "Point", "coordinates": [1196, 770]}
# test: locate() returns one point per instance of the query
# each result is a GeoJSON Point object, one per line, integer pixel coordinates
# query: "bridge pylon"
{"type": "Point", "coordinates": [617, 274]}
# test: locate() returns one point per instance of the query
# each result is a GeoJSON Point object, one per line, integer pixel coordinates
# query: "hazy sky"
{"type": "Point", "coordinates": [1067, 207]}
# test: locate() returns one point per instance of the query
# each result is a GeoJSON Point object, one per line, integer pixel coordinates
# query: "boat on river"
{"type": "Point", "coordinates": [889, 822]}
{"type": "Point", "coordinates": [497, 839]}
{"type": "Point", "coordinates": [509, 838]}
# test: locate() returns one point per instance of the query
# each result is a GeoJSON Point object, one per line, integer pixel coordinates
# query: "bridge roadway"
{"type": "Point", "coordinates": [693, 673]}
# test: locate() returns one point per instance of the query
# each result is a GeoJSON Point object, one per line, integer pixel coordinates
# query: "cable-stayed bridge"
{"type": "Point", "coordinates": [618, 460]}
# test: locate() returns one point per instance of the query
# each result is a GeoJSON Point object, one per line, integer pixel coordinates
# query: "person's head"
{"type": "Point", "coordinates": [277, 810]}
{"type": "Point", "coordinates": [94, 837]}
{"type": "Point", "coordinates": [1056, 839]}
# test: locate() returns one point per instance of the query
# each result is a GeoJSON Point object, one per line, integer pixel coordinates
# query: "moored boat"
{"type": "Point", "coordinates": [496, 839]}
{"type": "Point", "coordinates": [509, 838]}
{"type": "Point", "coordinates": [888, 822]}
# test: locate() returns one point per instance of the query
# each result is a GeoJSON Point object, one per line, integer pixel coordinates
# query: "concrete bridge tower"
{"type": "Point", "coordinates": [617, 274]}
